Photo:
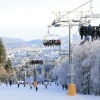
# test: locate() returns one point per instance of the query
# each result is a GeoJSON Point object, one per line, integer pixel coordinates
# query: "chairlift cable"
{"type": "Point", "coordinates": [49, 27]}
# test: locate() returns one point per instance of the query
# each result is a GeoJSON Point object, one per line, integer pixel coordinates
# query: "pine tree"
{"type": "Point", "coordinates": [8, 65]}
{"type": "Point", "coordinates": [2, 53]}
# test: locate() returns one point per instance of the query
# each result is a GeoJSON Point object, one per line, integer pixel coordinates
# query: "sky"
{"type": "Point", "coordinates": [28, 19]}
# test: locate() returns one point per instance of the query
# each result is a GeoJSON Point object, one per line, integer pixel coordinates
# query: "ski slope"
{"type": "Point", "coordinates": [52, 92]}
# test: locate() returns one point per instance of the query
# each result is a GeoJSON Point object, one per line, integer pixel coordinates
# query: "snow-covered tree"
{"type": "Point", "coordinates": [63, 72]}
{"type": "Point", "coordinates": [40, 78]}
{"type": "Point", "coordinates": [87, 68]}
{"type": "Point", "coordinates": [55, 73]}
{"type": "Point", "coordinates": [87, 65]}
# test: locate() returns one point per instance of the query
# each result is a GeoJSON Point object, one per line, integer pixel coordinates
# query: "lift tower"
{"type": "Point", "coordinates": [82, 18]}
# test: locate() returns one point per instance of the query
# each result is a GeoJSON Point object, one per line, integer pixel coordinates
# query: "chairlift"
{"type": "Point", "coordinates": [33, 62]}
{"type": "Point", "coordinates": [51, 40]}
{"type": "Point", "coordinates": [93, 31]}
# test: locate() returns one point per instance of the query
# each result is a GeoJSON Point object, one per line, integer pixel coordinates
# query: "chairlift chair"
{"type": "Point", "coordinates": [33, 62]}
{"type": "Point", "coordinates": [51, 40]}
{"type": "Point", "coordinates": [93, 31]}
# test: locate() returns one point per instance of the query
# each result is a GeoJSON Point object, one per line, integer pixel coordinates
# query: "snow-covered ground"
{"type": "Point", "coordinates": [51, 93]}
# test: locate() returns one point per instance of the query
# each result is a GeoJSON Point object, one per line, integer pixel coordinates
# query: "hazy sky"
{"type": "Point", "coordinates": [28, 19]}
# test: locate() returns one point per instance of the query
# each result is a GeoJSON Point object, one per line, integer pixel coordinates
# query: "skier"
{"type": "Point", "coordinates": [18, 84]}
{"type": "Point", "coordinates": [30, 86]}
{"type": "Point", "coordinates": [63, 87]}
{"type": "Point", "coordinates": [10, 82]}
{"type": "Point", "coordinates": [45, 86]}
{"type": "Point", "coordinates": [36, 89]}
{"type": "Point", "coordinates": [57, 84]}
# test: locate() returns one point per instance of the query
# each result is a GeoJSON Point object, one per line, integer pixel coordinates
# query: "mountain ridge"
{"type": "Point", "coordinates": [16, 42]}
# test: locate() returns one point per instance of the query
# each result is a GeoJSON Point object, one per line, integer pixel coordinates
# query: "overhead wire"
{"type": "Point", "coordinates": [74, 9]}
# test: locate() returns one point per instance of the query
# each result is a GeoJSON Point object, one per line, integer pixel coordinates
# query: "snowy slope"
{"type": "Point", "coordinates": [51, 93]}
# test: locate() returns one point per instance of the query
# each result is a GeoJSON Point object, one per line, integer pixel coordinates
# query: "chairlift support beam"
{"type": "Point", "coordinates": [92, 16]}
